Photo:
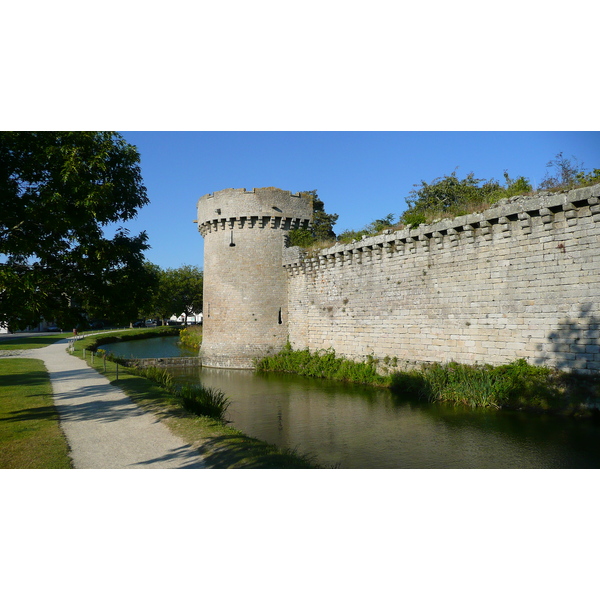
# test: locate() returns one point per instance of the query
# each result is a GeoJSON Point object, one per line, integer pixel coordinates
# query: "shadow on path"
{"type": "Point", "coordinates": [105, 429]}
{"type": "Point", "coordinates": [101, 409]}
{"type": "Point", "coordinates": [183, 454]}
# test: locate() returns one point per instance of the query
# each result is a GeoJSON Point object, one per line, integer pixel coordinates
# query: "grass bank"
{"type": "Point", "coordinates": [30, 342]}
{"type": "Point", "coordinates": [221, 446]}
{"type": "Point", "coordinates": [30, 435]}
{"type": "Point", "coordinates": [516, 386]}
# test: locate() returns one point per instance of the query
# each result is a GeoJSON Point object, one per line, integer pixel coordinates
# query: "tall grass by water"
{"type": "Point", "coordinates": [517, 385]}
{"type": "Point", "coordinates": [197, 399]}
{"type": "Point", "coordinates": [455, 384]}
{"type": "Point", "coordinates": [322, 364]}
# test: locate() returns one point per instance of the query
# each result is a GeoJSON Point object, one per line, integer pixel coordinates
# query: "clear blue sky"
{"type": "Point", "coordinates": [359, 175]}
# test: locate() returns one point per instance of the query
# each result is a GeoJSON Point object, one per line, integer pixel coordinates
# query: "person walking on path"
{"type": "Point", "coordinates": [104, 428]}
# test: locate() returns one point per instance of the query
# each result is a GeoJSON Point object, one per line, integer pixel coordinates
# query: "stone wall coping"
{"type": "Point", "coordinates": [502, 211]}
{"type": "Point", "coordinates": [252, 191]}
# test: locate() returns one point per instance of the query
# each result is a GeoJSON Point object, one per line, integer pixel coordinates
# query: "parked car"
{"type": "Point", "coordinates": [54, 328]}
{"type": "Point", "coordinates": [139, 324]}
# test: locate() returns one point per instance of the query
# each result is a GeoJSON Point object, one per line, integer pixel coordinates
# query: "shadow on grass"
{"type": "Point", "coordinates": [235, 451]}
{"type": "Point", "coordinates": [36, 413]}
{"type": "Point", "coordinates": [20, 379]}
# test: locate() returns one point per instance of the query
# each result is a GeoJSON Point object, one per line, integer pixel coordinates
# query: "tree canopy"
{"type": "Point", "coordinates": [57, 192]}
{"type": "Point", "coordinates": [179, 291]}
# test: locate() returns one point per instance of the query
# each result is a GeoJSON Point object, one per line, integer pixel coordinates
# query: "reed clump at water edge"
{"type": "Point", "coordinates": [518, 385]}
{"type": "Point", "coordinates": [197, 399]}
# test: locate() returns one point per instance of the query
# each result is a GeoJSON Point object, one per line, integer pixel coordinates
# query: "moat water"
{"type": "Point", "coordinates": [351, 426]}
{"type": "Point", "coordinates": [158, 347]}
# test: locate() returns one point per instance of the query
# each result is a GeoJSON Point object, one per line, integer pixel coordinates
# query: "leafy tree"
{"type": "Point", "coordinates": [140, 284]}
{"type": "Point", "coordinates": [157, 302]}
{"type": "Point", "coordinates": [321, 228]}
{"type": "Point", "coordinates": [180, 291]}
{"type": "Point", "coordinates": [513, 187]}
{"type": "Point", "coordinates": [444, 194]}
{"type": "Point", "coordinates": [57, 191]}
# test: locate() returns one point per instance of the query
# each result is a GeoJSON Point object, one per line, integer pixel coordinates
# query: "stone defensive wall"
{"type": "Point", "coordinates": [519, 280]}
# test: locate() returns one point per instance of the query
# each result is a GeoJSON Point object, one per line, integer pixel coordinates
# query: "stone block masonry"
{"type": "Point", "coordinates": [245, 291]}
{"type": "Point", "coordinates": [520, 280]}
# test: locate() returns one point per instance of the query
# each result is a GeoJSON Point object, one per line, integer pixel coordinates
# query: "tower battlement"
{"type": "Point", "coordinates": [259, 207]}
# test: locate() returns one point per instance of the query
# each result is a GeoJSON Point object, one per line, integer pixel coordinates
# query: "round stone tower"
{"type": "Point", "coordinates": [245, 296]}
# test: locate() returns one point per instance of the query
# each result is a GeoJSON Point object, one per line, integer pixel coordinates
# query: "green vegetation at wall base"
{"type": "Point", "coordinates": [516, 386]}
{"type": "Point", "coordinates": [323, 364]}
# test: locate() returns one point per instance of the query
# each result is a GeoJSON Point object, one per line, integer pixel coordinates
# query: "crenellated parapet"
{"type": "Point", "coordinates": [516, 215]}
{"type": "Point", "coordinates": [259, 208]}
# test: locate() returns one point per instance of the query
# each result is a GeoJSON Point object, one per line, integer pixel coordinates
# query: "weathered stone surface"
{"type": "Point", "coordinates": [521, 280]}
{"type": "Point", "coordinates": [245, 296]}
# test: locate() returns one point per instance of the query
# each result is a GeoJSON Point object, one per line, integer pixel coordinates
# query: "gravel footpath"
{"type": "Point", "coordinates": [103, 427]}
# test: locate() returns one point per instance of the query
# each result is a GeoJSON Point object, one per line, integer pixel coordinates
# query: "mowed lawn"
{"type": "Point", "coordinates": [30, 436]}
